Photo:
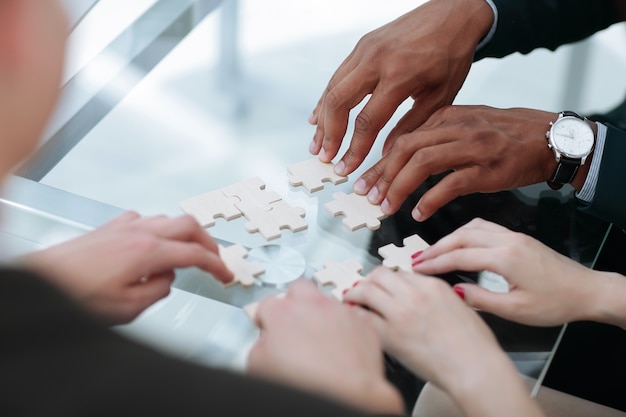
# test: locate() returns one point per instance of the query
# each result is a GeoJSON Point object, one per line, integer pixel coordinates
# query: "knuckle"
{"type": "Point", "coordinates": [332, 99]}
{"type": "Point", "coordinates": [363, 123]}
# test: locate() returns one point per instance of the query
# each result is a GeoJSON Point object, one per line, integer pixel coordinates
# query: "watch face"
{"type": "Point", "coordinates": [572, 137]}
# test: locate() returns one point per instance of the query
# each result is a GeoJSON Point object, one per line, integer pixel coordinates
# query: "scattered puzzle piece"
{"type": "Point", "coordinates": [234, 257]}
{"type": "Point", "coordinates": [342, 275]}
{"type": "Point", "coordinates": [400, 257]}
{"type": "Point", "coordinates": [358, 211]}
{"type": "Point", "coordinates": [209, 206]}
{"type": "Point", "coordinates": [269, 223]}
{"type": "Point", "coordinates": [312, 174]}
{"type": "Point", "coordinates": [252, 191]}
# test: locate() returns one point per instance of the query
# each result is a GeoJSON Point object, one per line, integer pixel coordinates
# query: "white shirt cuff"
{"type": "Point", "coordinates": [484, 41]}
{"type": "Point", "coordinates": [589, 187]}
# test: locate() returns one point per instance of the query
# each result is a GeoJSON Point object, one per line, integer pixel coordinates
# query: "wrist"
{"type": "Point", "coordinates": [471, 18]}
{"type": "Point", "coordinates": [605, 297]}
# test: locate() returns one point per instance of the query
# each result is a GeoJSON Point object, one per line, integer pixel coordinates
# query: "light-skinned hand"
{"type": "Point", "coordinates": [546, 288]}
{"type": "Point", "coordinates": [313, 342]}
{"type": "Point", "coordinates": [121, 268]}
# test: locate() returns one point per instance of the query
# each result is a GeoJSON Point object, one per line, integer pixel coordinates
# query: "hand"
{"type": "Point", "coordinates": [488, 150]}
{"type": "Point", "coordinates": [425, 54]}
{"type": "Point", "coordinates": [121, 268]}
{"type": "Point", "coordinates": [426, 326]}
{"type": "Point", "coordinates": [546, 288]}
{"type": "Point", "coordinates": [317, 344]}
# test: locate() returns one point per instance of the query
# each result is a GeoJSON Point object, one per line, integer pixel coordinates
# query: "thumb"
{"type": "Point", "coordinates": [483, 299]}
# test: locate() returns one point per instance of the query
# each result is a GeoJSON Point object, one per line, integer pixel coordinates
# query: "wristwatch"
{"type": "Point", "coordinates": [571, 139]}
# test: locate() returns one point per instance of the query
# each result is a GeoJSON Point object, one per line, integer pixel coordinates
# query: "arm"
{"type": "Point", "coordinates": [608, 204]}
{"type": "Point", "coordinates": [546, 288]}
{"type": "Point", "coordinates": [529, 24]}
{"type": "Point", "coordinates": [424, 325]}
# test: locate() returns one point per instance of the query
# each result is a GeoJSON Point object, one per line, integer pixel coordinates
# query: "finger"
{"type": "Point", "coordinates": [183, 228]}
{"type": "Point", "coordinates": [413, 159]}
{"type": "Point", "coordinates": [371, 319]}
{"type": "Point", "coordinates": [337, 105]}
{"type": "Point", "coordinates": [123, 218]}
{"type": "Point", "coordinates": [373, 294]}
{"type": "Point", "coordinates": [465, 236]}
{"type": "Point", "coordinates": [269, 310]}
{"type": "Point", "coordinates": [463, 259]}
{"type": "Point", "coordinates": [458, 183]}
{"type": "Point", "coordinates": [363, 185]}
{"type": "Point", "coordinates": [144, 294]}
{"type": "Point", "coordinates": [492, 302]}
{"type": "Point", "coordinates": [303, 288]}
{"type": "Point", "coordinates": [411, 120]}
{"type": "Point", "coordinates": [368, 123]}
{"type": "Point", "coordinates": [174, 254]}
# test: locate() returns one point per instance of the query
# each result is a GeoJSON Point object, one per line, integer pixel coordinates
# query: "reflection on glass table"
{"type": "Point", "coordinates": [139, 129]}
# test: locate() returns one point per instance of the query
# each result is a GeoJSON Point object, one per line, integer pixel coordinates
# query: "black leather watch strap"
{"type": "Point", "coordinates": [565, 170]}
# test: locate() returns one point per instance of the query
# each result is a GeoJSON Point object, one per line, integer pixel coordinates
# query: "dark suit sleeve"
{"type": "Point", "coordinates": [55, 360]}
{"type": "Point", "coordinates": [524, 25]}
{"type": "Point", "coordinates": [609, 201]}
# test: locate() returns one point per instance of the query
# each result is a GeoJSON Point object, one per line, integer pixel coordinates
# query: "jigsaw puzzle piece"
{"type": "Point", "coordinates": [358, 211]}
{"type": "Point", "coordinates": [396, 257]}
{"type": "Point", "coordinates": [269, 223]}
{"type": "Point", "coordinates": [252, 191]}
{"type": "Point", "coordinates": [342, 275]}
{"type": "Point", "coordinates": [209, 206]}
{"type": "Point", "coordinates": [234, 258]}
{"type": "Point", "coordinates": [312, 173]}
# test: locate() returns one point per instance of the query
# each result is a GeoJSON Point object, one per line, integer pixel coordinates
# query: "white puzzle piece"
{"type": "Point", "coordinates": [205, 208]}
{"type": "Point", "coordinates": [234, 258]}
{"type": "Point", "coordinates": [343, 275]}
{"type": "Point", "coordinates": [396, 257]}
{"type": "Point", "coordinates": [312, 173]}
{"type": "Point", "coordinates": [252, 191]}
{"type": "Point", "coordinates": [358, 211]}
{"type": "Point", "coordinates": [269, 223]}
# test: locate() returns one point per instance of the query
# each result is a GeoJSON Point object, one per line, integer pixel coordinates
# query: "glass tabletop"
{"type": "Point", "coordinates": [164, 100]}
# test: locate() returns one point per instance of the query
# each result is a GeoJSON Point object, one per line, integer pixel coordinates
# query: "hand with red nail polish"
{"type": "Point", "coordinates": [546, 288]}
{"type": "Point", "coordinates": [426, 326]}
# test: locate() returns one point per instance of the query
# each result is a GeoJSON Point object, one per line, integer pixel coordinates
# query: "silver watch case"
{"type": "Point", "coordinates": [559, 152]}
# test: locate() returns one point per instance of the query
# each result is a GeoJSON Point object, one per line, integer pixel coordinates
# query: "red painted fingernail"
{"type": "Point", "coordinates": [459, 291]}
{"type": "Point", "coordinates": [355, 283]}
{"type": "Point", "coordinates": [416, 254]}
{"type": "Point", "coordinates": [344, 291]}
{"type": "Point", "coordinates": [351, 304]}
{"type": "Point", "coordinates": [417, 262]}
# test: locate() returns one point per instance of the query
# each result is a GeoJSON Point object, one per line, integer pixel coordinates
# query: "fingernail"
{"type": "Point", "coordinates": [417, 214]}
{"type": "Point", "coordinates": [459, 291]}
{"type": "Point", "coordinates": [384, 206]}
{"type": "Point", "coordinates": [351, 303]}
{"type": "Point", "coordinates": [312, 119]}
{"type": "Point", "coordinates": [360, 186]}
{"type": "Point", "coordinates": [355, 284]}
{"type": "Point", "coordinates": [417, 262]}
{"type": "Point", "coordinates": [312, 147]}
{"type": "Point", "coordinates": [416, 254]}
{"type": "Point", "coordinates": [344, 291]}
{"type": "Point", "coordinates": [340, 168]}
{"type": "Point", "coordinates": [372, 196]}
{"type": "Point", "coordinates": [322, 155]}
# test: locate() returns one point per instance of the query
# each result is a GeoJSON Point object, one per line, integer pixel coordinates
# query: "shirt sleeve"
{"type": "Point", "coordinates": [525, 25]}
{"type": "Point", "coordinates": [609, 199]}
